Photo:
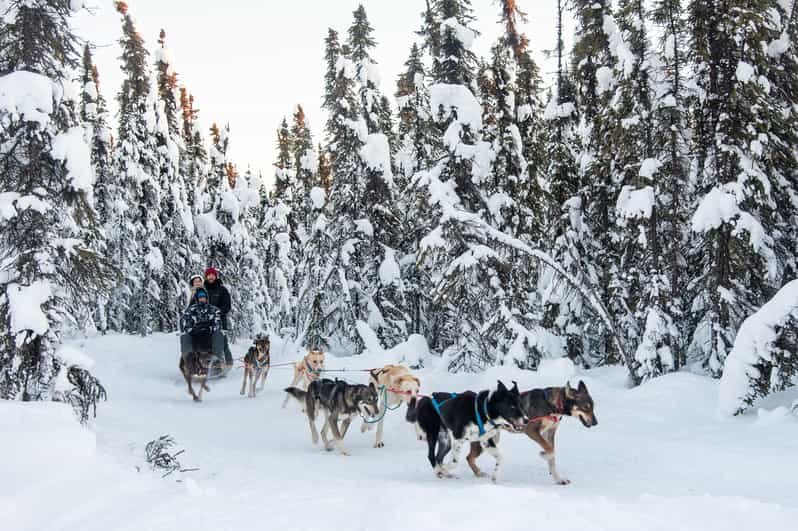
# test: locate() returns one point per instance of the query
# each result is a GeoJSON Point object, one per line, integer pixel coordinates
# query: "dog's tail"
{"type": "Point", "coordinates": [297, 393]}
{"type": "Point", "coordinates": [412, 410]}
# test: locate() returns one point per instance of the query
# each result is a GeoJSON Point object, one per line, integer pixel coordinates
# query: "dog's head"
{"type": "Point", "coordinates": [507, 403]}
{"type": "Point", "coordinates": [262, 343]}
{"type": "Point", "coordinates": [315, 359]}
{"type": "Point", "coordinates": [408, 387]}
{"type": "Point", "coordinates": [581, 404]}
{"type": "Point", "coordinates": [367, 400]}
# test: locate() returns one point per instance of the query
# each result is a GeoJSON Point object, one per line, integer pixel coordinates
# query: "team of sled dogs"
{"type": "Point", "coordinates": [446, 421]}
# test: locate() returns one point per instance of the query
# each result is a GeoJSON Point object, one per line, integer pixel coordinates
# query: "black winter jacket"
{"type": "Point", "coordinates": [201, 319]}
{"type": "Point", "coordinates": [219, 297]}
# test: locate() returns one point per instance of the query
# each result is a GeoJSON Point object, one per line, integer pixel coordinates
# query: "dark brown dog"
{"type": "Point", "coordinates": [196, 367]}
{"type": "Point", "coordinates": [545, 408]}
{"type": "Point", "coordinates": [256, 365]}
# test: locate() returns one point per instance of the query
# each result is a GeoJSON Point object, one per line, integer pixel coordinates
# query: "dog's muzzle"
{"type": "Point", "coordinates": [588, 423]}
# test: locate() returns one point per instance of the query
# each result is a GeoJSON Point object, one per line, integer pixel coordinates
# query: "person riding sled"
{"type": "Point", "coordinates": [195, 282]}
{"type": "Point", "coordinates": [219, 296]}
{"type": "Point", "coordinates": [201, 327]}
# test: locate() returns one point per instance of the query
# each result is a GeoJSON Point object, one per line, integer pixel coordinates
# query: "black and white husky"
{"type": "Point", "coordinates": [340, 402]}
{"type": "Point", "coordinates": [448, 420]}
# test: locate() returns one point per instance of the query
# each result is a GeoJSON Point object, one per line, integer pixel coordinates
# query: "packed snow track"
{"type": "Point", "coordinates": [660, 458]}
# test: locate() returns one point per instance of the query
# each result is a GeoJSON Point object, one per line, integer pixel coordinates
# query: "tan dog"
{"type": "Point", "coordinates": [307, 369]}
{"type": "Point", "coordinates": [395, 385]}
{"type": "Point", "coordinates": [256, 365]}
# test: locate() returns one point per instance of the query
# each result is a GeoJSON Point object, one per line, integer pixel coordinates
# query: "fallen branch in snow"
{"type": "Point", "coordinates": [157, 455]}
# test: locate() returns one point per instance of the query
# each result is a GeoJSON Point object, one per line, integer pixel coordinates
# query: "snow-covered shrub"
{"type": "Point", "coordinates": [765, 354]}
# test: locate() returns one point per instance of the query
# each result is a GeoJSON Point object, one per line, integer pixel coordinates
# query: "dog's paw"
{"type": "Point", "coordinates": [563, 481]}
{"type": "Point", "coordinates": [379, 445]}
{"type": "Point", "coordinates": [241, 393]}
{"type": "Point", "coordinates": [481, 474]}
{"type": "Point", "coordinates": [197, 399]}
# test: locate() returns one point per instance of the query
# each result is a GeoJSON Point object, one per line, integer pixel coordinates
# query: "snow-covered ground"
{"type": "Point", "coordinates": [660, 458]}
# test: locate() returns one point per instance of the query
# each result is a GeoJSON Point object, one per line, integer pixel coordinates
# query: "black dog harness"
{"type": "Point", "coordinates": [480, 424]}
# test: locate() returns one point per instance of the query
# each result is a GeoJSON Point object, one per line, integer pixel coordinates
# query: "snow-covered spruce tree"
{"type": "Point", "coordinates": [46, 195]}
{"type": "Point", "coordinates": [419, 146]}
{"type": "Point", "coordinates": [175, 215]}
{"type": "Point", "coordinates": [593, 73]}
{"type": "Point", "coordinates": [664, 171]}
{"type": "Point", "coordinates": [306, 167]}
{"type": "Point", "coordinates": [736, 262]}
{"type": "Point", "coordinates": [283, 246]}
{"type": "Point", "coordinates": [378, 216]}
{"type": "Point", "coordinates": [640, 288]}
{"type": "Point", "coordinates": [135, 232]}
{"type": "Point", "coordinates": [94, 117]}
{"type": "Point", "coordinates": [510, 194]}
{"type": "Point", "coordinates": [457, 310]}
{"type": "Point", "coordinates": [632, 168]}
{"type": "Point", "coordinates": [284, 176]}
{"type": "Point", "coordinates": [475, 323]}
{"type": "Point", "coordinates": [781, 160]}
{"type": "Point", "coordinates": [223, 229]}
{"type": "Point", "coordinates": [325, 169]}
{"type": "Point", "coordinates": [195, 159]}
{"type": "Point", "coordinates": [321, 285]}
{"type": "Point", "coordinates": [763, 359]}
{"type": "Point", "coordinates": [252, 303]}
{"type": "Point", "coordinates": [516, 198]}
{"type": "Point", "coordinates": [343, 292]}
{"type": "Point", "coordinates": [563, 313]}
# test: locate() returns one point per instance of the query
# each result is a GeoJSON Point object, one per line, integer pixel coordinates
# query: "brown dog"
{"type": "Point", "coordinates": [196, 366]}
{"type": "Point", "coordinates": [395, 385]}
{"type": "Point", "coordinates": [545, 408]}
{"type": "Point", "coordinates": [307, 369]}
{"type": "Point", "coordinates": [256, 365]}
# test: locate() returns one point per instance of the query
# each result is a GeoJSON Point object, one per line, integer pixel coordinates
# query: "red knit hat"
{"type": "Point", "coordinates": [211, 270]}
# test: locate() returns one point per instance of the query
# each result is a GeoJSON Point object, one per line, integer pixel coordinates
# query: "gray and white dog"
{"type": "Point", "coordinates": [340, 402]}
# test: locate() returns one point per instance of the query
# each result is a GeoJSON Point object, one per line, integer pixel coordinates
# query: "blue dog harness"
{"type": "Point", "coordinates": [437, 405]}
{"type": "Point", "coordinates": [480, 424]}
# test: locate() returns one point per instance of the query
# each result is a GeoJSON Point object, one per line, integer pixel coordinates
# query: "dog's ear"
{"type": "Point", "coordinates": [582, 388]}
{"type": "Point", "coordinates": [569, 392]}
{"type": "Point", "coordinates": [515, 387]}
{"type": "Point", "coordinates": [501, 387]}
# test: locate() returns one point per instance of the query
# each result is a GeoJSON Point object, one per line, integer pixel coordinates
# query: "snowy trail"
{"type": "Point", "coordinates": [659, 459]}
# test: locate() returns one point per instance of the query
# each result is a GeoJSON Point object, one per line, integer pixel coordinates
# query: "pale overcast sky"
{"type": "Point", "coordinates": [249, 62]}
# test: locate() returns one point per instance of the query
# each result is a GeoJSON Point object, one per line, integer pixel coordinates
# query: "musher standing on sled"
{"type": "Point", "coordinates": [219, 296]}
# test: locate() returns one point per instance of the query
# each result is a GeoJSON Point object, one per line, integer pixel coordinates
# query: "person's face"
{"type": "Point", "coordinates": [203, 299]}
{"type": "Point", "coordinates": [211, 277]}
{"type": "Point", "coordinates": [196, 283]}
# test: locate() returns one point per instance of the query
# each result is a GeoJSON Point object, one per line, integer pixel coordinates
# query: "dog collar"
{"type": "Point", "coordinates": [311, 370]}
